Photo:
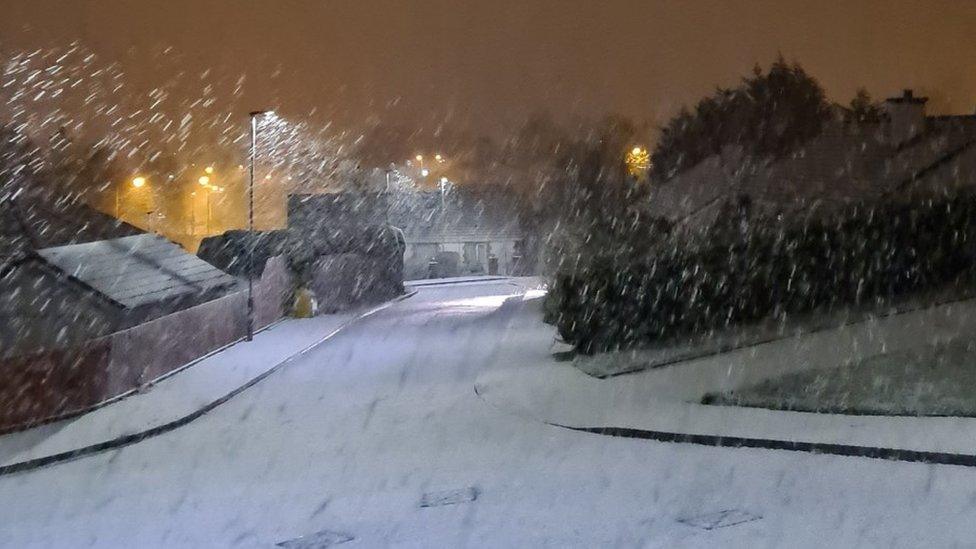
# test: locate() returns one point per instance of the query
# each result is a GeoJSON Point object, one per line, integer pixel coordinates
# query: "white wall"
{"type": "Point", "coordinates": [418, 255]}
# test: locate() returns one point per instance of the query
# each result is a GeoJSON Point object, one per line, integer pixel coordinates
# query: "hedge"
{"type": "Point", "coordinates": [855, 257]}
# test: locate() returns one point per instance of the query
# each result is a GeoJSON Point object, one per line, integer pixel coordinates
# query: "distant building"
{"type": "Point", "coordinates": [69, 273]}
{"type": "Point", "coordinates": [905, 155]}
{"type": "Point", "coordinates": [442, 234]}
{"type": "Point", "coordinates": [457, 234]}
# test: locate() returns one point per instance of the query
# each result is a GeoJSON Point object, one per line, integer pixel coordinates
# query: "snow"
{"type": "Point", "coordinates": [176, 396]}
{"type": "Point", "coordinates": [667, 398]}
{"type": "Point", "coordinates": [350, 437]}
{"type": "Point", "coordinates": [927, 380]}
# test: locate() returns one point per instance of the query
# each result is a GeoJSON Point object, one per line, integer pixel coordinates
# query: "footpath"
{"type": "Point", "coordinates": [176, 399]}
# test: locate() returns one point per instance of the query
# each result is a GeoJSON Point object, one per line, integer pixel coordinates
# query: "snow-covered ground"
{"type": "Point", "coordinates": [668, 399]}
{"type": "Point", "coordinates": [176, 397]}
{"type": "Point", "coordinates": [379, 436]}
{"type": "Point", "coordinates": [927, 379]}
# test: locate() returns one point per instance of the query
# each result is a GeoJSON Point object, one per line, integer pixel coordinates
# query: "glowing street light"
{"type": "Point", "coordinates": [137, 182]}
{"type": "Point", "coordinates": [424, 172]}
{"type": "Point", "coordinates": [209, 170]}
{"type": "Point", "coordinates": [204, 180]}
{"type": "Point", "coordinates": [438, 158]}
{"type": "Point", "coordinates": [638, 162]}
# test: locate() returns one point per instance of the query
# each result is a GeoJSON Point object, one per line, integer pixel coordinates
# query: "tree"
{"type": "Point", "coordinates": [768, 114]}
{"type": "Point", "coordinates": [863, 110]}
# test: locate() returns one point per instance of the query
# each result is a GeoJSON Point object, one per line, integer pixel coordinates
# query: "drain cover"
{"type": "Point", "coordinates": [318, 540]}
{"type": "Point", "coordinates": [449, 497]}
{"type": "Point", "coordinates": [720, 519]}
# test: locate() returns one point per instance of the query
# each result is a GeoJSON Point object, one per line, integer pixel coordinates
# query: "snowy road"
{"type": "Point", "coordinates": [351, 437]}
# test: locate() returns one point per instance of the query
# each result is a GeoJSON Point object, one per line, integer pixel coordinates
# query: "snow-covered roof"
{"type": "Point", "coordinates": [31, 222]}
{"type": "Point", "coordinates": [137, 270]}
{"type": "Point", "coordinates": [845, 164]}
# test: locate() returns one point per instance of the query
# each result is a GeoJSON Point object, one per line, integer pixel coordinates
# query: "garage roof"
{"type": "Point", "coordinates": [137, 270]}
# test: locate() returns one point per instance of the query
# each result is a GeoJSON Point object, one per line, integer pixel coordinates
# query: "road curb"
{"type": "Point", "coordinates": [448, 282]}
{"type": "Point", "coordinates": [127, 440]}
{"type": "Point", "coordinates": [848, 450]}
{"type": "Point", "coordinates": [719, 441]}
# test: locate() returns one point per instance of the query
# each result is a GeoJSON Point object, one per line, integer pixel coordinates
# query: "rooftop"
{"type": "Point", "coordinates": [137, 270]}
{"type": "Point", "coordinates": [29, 224]}
{"type": "Point", "coordinates": [908, 96]}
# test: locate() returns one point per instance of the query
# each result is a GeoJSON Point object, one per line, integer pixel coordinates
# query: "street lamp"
{"type": "Point", "coordinates": [638, 162]}
{"type": "Point", "coordinates": [250, 223]}
{"type": "Point", "coordinates": [137, 182]}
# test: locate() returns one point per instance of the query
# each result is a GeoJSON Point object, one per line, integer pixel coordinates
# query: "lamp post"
{"type": "Point", "coordinates": [250, 224]}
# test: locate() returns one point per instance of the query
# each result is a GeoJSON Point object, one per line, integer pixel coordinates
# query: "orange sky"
{"type": "Point", "coordinates": [486, 64]}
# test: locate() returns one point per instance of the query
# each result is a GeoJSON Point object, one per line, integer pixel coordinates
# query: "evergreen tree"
{"type": "Point", "coordinates": [768, 114]}
{"type": "Point", "coordinates": [863, 110]}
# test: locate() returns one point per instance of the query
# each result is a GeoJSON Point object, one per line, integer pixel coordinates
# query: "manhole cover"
{"type": "Point", "coordinates": [720, 519]}
{"type": "Point", "coordinates": [318, 540]}
{"type": "Point", "coordinates": [449, 497]}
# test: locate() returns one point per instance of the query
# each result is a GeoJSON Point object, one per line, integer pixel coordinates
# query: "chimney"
{"type": "Point", "coordinates": [906, 117]}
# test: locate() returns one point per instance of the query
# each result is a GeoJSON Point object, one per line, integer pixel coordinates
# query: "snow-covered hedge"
{"type": "Point", "coordinates": [862, 255]}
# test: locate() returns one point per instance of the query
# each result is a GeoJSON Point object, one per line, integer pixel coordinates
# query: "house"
{"type": "Point", "coordinates": [441, 233]}
{"type": "Point", "coordinates": [906, 155]}
{"type": "Point", "coordinates": [69, 273]}
{"type": "Point", "coordinates": [457, 233]}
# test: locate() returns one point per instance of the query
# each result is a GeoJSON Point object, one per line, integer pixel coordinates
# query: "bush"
{"type": "Point", "coordinates": [860, 256]}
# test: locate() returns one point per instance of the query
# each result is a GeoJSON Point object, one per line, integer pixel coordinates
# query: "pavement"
{"type": "Point", "coordinates": [175, 399]}
{"type": "Point", "coordinates": [378, 439]}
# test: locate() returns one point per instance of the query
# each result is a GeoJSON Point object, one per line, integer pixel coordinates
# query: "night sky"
{"type": "Point", "coordinates": [485, 65]}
